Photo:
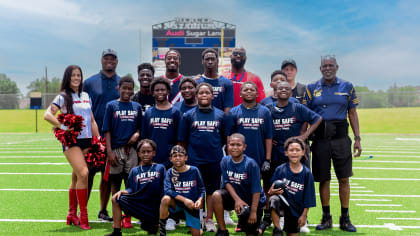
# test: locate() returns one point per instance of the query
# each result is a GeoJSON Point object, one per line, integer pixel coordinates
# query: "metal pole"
{"type": "Point", "coordinates": [36, 120]}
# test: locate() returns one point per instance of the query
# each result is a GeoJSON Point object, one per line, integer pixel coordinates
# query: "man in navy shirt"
{"type": "Point", "coordinates": [187, 87]}
{"type": "Point", "coordinates": [222, 87]}
{"type": "Point", "coordinates": [334, 99]}
{"type": "Point", "coordinates": [102, 88]}
{"type": "Point", "coordinates": [203, 130]}
{"type": "Point", "coordinates": [172, 62]}
{"type": "Point", "coordinates": [145, 72]}
{"type": "Point", "coordinates": [160, 122]}
{"type": "Point", "coordinates": [241, 188]}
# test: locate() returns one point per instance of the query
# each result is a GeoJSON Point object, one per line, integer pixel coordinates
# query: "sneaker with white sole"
{"type": "Point", "coordinates": [281, 223]}
{"type": "Point", "coordinates": [304, 229]}
{"type": "Point", "coordinates": [210, 226]}
{"type": "Point", "coordinates": [228, 219]}
{"type": "Point", "coordinates": [170, 225]}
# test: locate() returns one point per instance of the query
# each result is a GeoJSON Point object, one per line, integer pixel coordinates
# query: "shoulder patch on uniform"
{"type": "Point", "coordinates": [317, 93]}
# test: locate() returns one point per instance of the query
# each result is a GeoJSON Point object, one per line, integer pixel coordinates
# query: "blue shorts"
{"type": "Point", "coordinates": [192, 217]}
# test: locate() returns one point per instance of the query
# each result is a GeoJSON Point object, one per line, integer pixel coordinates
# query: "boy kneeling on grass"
{"type": "Point", "coordinates": [143, 192]}
{"type": "Point", "coordinates": [241, 189]}
{"type": "Point", "coordinates": [294, 194]}
{"type": "Point", "coordinates": [184, 191]}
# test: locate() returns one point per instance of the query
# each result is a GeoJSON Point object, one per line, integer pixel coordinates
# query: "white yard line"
{"type": "Point", "coordinates": [336, 186]}
{"type": "Point", "coordinates": [31, 148]}
{"type": "Point", "coordinates": [378, 205]}
{"type": "Point", "coordinates": [13, 173]}
{"type": "Point", "coordinates": [385, 179]}
{"type": "Point", "coordinates": [36, 163]}
{"type": "Point", "coordinates": [378, 195]}
{"type": "Point", "coordinates": [29, 151]}
{"type": "Point", "coordinates": [391, 218]}
{"type": "Point", "coordinates": [394, 156]}
{"type": "Point", "coordinates": [29, 141]}
{"type": "Point", "coordinates": [386, 226]}
{"type": "Point", "coordinates": [32, 157]}
{"type": "Point", "coordinates": [359, 191]}
{"type": "Point", "coordinates": [388, 151]}
{"type": "Point", "coordinates": [371, 200]}
{"type": "Point", "coordinates": [408, 139]}
{"type": "Point", "coordinates": [403, 162]}
{"type": "Point", "coordinates": [385, 168]}
{"type": "Point", "coordinates": [391, 211]}
{"type": "Point", "coordinates": [37, 190]}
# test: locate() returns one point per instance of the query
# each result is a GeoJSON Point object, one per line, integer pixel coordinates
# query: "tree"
{"type": "Point", "coordinates": [9, 93]}
{"type": "Point", "coordinates": [402, 96]}
{"type": "Point", "coordinates": [39, 85]}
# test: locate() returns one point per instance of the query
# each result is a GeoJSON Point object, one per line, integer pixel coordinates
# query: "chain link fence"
{"type": "Point", "coordinates": [366, 100]}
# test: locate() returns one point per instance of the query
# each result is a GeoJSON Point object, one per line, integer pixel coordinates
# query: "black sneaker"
{"type": "Point", "coordinates": [103, 215]}
{"type": "Point", "coordinates": [277, 232]}
{"type": "Point", "coordinates": [114, 234]}
{"type": "Point", "coordinates": [265, 223]}
{"type": "Point", "coordinates": [222, 232]}
{"type": "Point", "coordinates": [326, 222]}
{"type": "Point", "coordinates": [346, 225]}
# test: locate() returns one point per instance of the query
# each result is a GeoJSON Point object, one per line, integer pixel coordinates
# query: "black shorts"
{"type": "Point", "coordinates": [266, 176]}
{"type": "Point", "coordinates": [229, 204]}
{"type": "Point", "coordinates": [291, 225]}
{"type": "Point", "coordinates": [339, 151]}
{"type": "Point", "coordinates": [82, 143]}
{"type": "Point", "coordinates": [211, 174]}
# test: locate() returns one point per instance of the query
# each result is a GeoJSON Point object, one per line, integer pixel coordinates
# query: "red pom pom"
{"type": "Point", "coordinates": [74, 123]}
{"type": "Point", "coordinates": [96, 154]}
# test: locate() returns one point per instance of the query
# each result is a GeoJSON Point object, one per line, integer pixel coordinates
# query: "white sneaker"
{"type": "Point", "coordinates": [210, 227]}
{"type": "Point", "coordinates": [281, 223]}
{"type": "Point", "coordinates": [228, 220]}
{"type": "Point", "coordinates": [305, 229]}
{"type": "Point", "coordinates": [170, 225]}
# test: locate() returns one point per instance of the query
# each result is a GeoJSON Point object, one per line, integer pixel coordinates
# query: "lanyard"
{"type": "Point", "coordinates": [240, 79]}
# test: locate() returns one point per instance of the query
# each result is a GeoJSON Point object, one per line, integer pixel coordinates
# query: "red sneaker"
{"type": "Point", "coordinates": [126, 222]}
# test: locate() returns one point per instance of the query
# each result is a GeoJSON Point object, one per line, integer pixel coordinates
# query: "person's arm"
{"type": "Point", "coordinates": [354, 123]}
{"type": "Point", "coordinates": [49, 116]}
{"type": "Point", "coordinates": [187, 202]}
{"type": "Point", "coordinates": [311, 129]}
{"type": "Point", "coordinates": [239, 203]}
{"type": "Point", "coordinates": [254, 206]}
{"type": "Point", "coordinates": [302, 218]}
{"type": "Point", "coordinates": [94, 126]}
{"type": "Point", "coordinates": [112, 158]}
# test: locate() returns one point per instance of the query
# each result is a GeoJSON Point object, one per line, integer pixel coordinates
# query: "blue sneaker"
{"type": "Point", "coordinates": [346, 225]}
{"type": "Point", "coordinates": [326, 222]}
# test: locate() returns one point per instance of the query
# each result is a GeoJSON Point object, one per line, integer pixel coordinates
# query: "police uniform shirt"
{"type": "Point", "coordinates": [81, 107]}
{"type": "Point", "coordinates": [300, 188]}
{"type": "Point", "coordinates": [244, 178]}
{"type": "Point", "coordinates": [331, 101]}
{"type": "Point", "coordinates": [122, 119]}
{"type": "Point", "coordinates": [222, 91]}
{"type": "Point", "coordinates": [161, 126]}
{"type": "Point", "coordinates": [256, 125]}
{"type": "Point", "coordinates": [203, 131]}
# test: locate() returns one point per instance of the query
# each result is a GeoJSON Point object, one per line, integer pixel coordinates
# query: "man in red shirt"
{"type": "Point", "coordinates": [239, 75]}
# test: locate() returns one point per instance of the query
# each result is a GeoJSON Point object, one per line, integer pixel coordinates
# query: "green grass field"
{"type": "Point", "coordinates": [34, 178]}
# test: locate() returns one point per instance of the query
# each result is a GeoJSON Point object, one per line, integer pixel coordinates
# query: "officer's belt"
{"type": "Point", "coordinates": [331, 129]}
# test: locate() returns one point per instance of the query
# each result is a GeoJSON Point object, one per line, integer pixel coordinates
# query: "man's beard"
{"type": "Point", "coordinates": [238, 65]}
{"type": "Point", "coordinates": [172, 69]}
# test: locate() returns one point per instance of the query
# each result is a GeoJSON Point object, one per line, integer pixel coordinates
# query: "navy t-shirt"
{"type": "Point", "coordinates": [287, 123]}
{"type": "Point", "coordinates": [161, 126]}
{"type": "Point", "coordinates": [203, 132]}
{"type": "Point", "coordinates": [122, 119]}
{"type": "Point", "coordinates": [101, 90]}
{"type": "Point", "coordinates": [145, 183]}
{"type": "Point", "coordinates": [244, 178]}
{"type": "Point", "coordinates": [189, 184]}
{"type": "Point", "coordinates": [256, 125]}
{"type": "Point", "coordinates": [183, 107]}
{"type": "Point", "coordinates": [300, 188]}
{"type": "Point", "coordinates": [222, 90]}
{"type": "Point", "coordinates": [270, 100]}
{"type": "Point", "coordinates": [175, 95]}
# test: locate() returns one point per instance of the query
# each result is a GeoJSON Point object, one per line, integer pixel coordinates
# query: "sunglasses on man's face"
{"type": "Point", "coordinates": [238, 54]}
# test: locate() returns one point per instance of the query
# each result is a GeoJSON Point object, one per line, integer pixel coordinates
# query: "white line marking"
{"type": "Point", "coordinates": [390, 218]}
{"type": "Point", "coordinates": [38, 190]}
{"type": "Point", "coordinates": [389, 211]}
{"type": "Point", "coordinates": [35, 163]}
{"type": "Point", "coordinates": [371, 200]}
{"type": "Point", "coordinates": [408, 139]}
{"type": "Point", "coordinates": [336, 183]}
{"type": "Point", "coordinates": [386, 179]}
{"type": "Point", "coordinates": [402, 152]}
{"type": "Point", "coordinates": [30, 141]}
{"type": "Point", "coordinates": [31, 147]}
{"type": "Point", "coordinates": [359, 191]}
{"type": "Point", "coordinates": [381, 155]}
{"type": "Point", "coordinates": [404, 162]}
{"type": "Point", "coordinates": [12, 173]}
{"type": "Point", "coordinates": [376, 195]}
{"type": "Point", "coordinates": [6, 152]}
{"type": "Point", "coordinates": [45, 221]}
{"type": "Point", "coordinates": [29, 157]}
{"type": "Point", "coordinates": [384, 168]}
{"type": "Point", "coordinates": [386, 226]}
{"type": "Point", "coordinates": [393, 226]}
{"type": "Point", "coordinates": [379, 205]}
{"type": "Point", "coordinates": [336, 186]}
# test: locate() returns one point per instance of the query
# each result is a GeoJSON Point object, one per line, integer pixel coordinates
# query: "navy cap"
{"type": "Point", "coordinates": [288, 62]}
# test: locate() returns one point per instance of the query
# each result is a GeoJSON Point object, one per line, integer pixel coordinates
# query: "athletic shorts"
{"type": "Point", "coordinates": [211, 174]}
{"type": "Point", "coordinates": [126, 160]}
{"type": "Point", "coordinates": [140, 210]}
{"type": "Point", "coordinates": [192, 217]}
{"type": "Point", "coordinates": [266, 176]}
{"type": "Point", "coordinates": [291, 225]}
{"type": "Point", "coordinates": [82, 143]}
{"type": "Point", "coordinates": [339, 151]}
{"type": "Point", "coordinates": [229, 205]}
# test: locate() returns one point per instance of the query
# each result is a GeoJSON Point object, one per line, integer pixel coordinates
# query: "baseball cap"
{"type": "Point", "coordinates": [288, 62]}
{"type": "Point", "coordinates": [109, 52]}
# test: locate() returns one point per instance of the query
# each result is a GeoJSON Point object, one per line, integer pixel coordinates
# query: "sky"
{"type": "Point", "coordinates": [375, 42]}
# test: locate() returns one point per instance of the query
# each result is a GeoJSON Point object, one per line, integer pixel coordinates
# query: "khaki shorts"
{"type": "Point", "coordinates": [126, 161]}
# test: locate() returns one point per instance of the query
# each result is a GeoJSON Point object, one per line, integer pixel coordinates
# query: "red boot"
{"type": "Point", "coordinates": [72, 216]}
{"type": "Point", "coordinates": [82, 197]}
{"type": "Point", "coordinates": [126, 222]}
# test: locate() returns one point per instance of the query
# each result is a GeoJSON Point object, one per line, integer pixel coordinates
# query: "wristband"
{"type": "Point", "coordinates": [357, 137]}
{"type": "Point", "coordinates": [64, 127]}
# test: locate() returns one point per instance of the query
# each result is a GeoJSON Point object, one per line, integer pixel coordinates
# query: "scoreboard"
{"type": "Point", "coordinates": [190, 36]}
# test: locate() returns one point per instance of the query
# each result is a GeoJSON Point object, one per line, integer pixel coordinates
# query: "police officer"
{"type": "Point", "coordinates": [334, 99]}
